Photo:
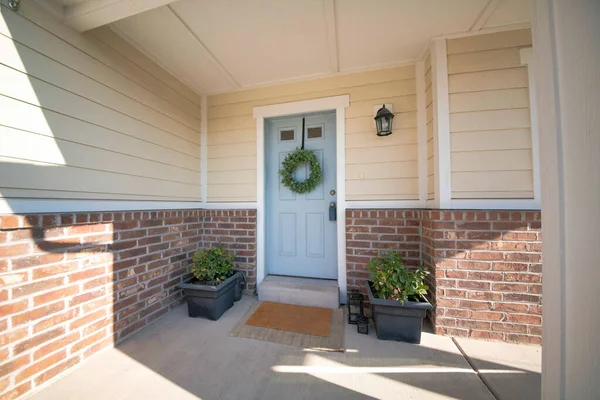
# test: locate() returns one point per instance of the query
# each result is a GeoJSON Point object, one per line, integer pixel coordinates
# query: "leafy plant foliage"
{"type": "Point", "coordinates": [212, 266]}
{"type": "Point", "coordinates": [293, 161]}
{"type": "Point", "coordinates": [394, 282]}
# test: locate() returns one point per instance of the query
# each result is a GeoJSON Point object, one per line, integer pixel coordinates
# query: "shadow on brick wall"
{"type": "Point", "coordinates": [76, 283]}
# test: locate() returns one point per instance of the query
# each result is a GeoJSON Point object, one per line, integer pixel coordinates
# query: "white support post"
{"type": "Point", "coordinates": [260, 200]}
{"type": "Point", "coordinates": [421, 132]}
{"type": "Point", "coordinates": [441, 124]}
{"type": "Point", "coordinates": [340, 126]}
{"type": "Point", "coordinates": [567, 76]}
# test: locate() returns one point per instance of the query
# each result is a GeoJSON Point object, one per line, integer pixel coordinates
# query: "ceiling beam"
{"type": "Point", "coordinates": [485, 15]}
{"type": "Point", "coordinates": [330, 26]}
{"type": "Point", "coordinates": [208, 54]}
{"type": "Point", "coordinates": [90, 14]}
{"type": "Point", "coordinates": [53, 7]}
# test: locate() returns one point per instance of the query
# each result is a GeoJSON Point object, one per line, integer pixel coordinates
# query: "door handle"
{"type": "Point", "coordinates": [332, 211]}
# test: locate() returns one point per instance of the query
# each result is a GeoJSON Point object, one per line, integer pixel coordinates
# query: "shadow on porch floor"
{"type": "Point", "coordinates": [183, 358]}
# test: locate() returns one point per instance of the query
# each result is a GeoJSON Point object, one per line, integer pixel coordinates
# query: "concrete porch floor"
{"type": "Point", "coordinates": [183, 358]}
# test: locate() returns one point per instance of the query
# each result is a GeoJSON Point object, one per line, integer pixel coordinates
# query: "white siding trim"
{"type": "Point", "coordinates": [25, 206]}
{"type": "Point", "coordinates": [421, 130]}
{"type": "Point", "coordinates": [441, 123]}
{"type": "Point", "coordinates": [495, 204]}
{"type": "Point", "coordinates": [260, 200]}
{"type": "Point", "coordinates": [383, 204]}
{"type": "Point", "coordinates": [249, 205]}
{"type": "Point", "coordinates": [526, 55]}
{"type": "Point", "coordinates": [299, 107]}
{"type": "Point", "coordinates": [340, 125]}
{"type": "Point", "coordinates": [203, 149]}
{"type": "Point", "coordinates": [339, 104]}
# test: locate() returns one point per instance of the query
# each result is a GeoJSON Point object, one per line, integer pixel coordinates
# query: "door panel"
{"type": "Point", "coordinates": [300, 239]}
{"type": "Point", "coordinates": [287, 234]}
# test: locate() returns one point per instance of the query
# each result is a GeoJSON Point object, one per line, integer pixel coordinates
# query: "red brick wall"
{"type": "Point", "coordinates": [486, 269]}
{"type": "Point", "coordinates": [486, 273]}
{"type": "Point", "coordinates": [235, 230]}
{"type": "Point", "coordinates": [73, 284]}
{"type": "Point", "coordinates": [371, 233]}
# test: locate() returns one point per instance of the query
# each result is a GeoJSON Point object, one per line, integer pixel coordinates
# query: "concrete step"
{"type": "Point", "coordinates": [300, 291]}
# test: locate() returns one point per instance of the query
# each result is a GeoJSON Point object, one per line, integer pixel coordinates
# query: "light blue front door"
{"type": "Point", "coordinates": [301, 240]}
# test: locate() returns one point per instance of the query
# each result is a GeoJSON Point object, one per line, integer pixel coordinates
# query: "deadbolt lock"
{"type": "Point", "coordinates": [332, 192]}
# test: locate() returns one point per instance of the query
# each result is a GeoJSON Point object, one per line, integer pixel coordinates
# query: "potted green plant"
{"type": "Point", "coordinates": [397, 297]}
{"type": "Point", "coordinates": [212, 289]}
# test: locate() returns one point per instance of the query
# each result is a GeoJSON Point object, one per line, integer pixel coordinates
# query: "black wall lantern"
{"type": "Point", "coordinates": [383, 121]}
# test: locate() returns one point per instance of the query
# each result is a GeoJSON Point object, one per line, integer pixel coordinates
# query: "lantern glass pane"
{"type": "Point", "coordinates": [378, 125]}
{"type": "Point", "coordinates": [385, 124]}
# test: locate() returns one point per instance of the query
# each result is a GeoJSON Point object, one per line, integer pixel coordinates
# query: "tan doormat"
{"type": "Point", "coordinates": [288, 324]}
{"type": "Point", "coordinates": [288, 317]}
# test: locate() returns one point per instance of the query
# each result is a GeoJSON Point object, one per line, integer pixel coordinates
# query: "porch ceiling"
{"type": "Point", "coordinates": [220, 46]}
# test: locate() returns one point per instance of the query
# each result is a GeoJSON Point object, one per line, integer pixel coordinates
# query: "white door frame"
{"type": "Point", "coordinates": [339, 104]}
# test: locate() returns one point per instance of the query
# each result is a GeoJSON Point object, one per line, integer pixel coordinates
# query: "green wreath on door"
{"type": "Point", "coordinates": [292, 162]}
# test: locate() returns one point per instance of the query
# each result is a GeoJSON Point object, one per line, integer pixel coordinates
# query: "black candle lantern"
{"type": "Point", "coordinates": [383, 121]}
{"type": "Point", "coordinates": [362, 323]}
{"type": "Point", "coordinates": [355, 306]}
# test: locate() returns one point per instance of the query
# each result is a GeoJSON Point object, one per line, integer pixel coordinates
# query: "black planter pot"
{"type": "Point", "coordinates": [210, 301]}
{"type": "Point", "coordinates": [239, 287]}
{"type": "Point", "coordinates": [395, 321]}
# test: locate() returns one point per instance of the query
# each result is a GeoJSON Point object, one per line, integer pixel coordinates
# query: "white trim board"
{"type": "Point", "coordinates": [339, 104]}
{"type": "Point", "coordinates": [301, 107]}
{"type": "Point", "coordinates": [456, 204]}
{"type": "Point", "coordinates": [441, 123]}
{"type": "Point", "coordinates": [26, 206]}
{"type": "Point", "coordinates": [526, 56]}
{"type": "Point", "coordinates": [382, 204]}
{"type": "Point", "coordinates": [421, 130]}
{"type": "Point", "coordinates": [251, 205]}
{"type": "Point", "coordinates": [495, 204]}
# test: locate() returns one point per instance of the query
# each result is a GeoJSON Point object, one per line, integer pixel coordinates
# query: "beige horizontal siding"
{"type": "Point", "coordinates": [490, 133]}
{"type": "Point", "coordinates": [377, 168]}
{"type": "Point", "coordinates": [30, 118]}
{"type": "Point", "coordinates": [368, 139]}
{"type": "Point", "coordinates": [79, 195]}
{"type": "Point", "coordinates": [87, 116]}
{"type": "Point", "coordinates": [505, 139]}
{"type": "Point", "coordinates": [49, 150]}
{"type": "Point", "coordinates": [359, 81]}
{"type": "Point", "coordinates": [489, 100]}
{"type": "Point", "coordinates": [488, 80]}
{"type": "Point", "coordinates": [45, 176]}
